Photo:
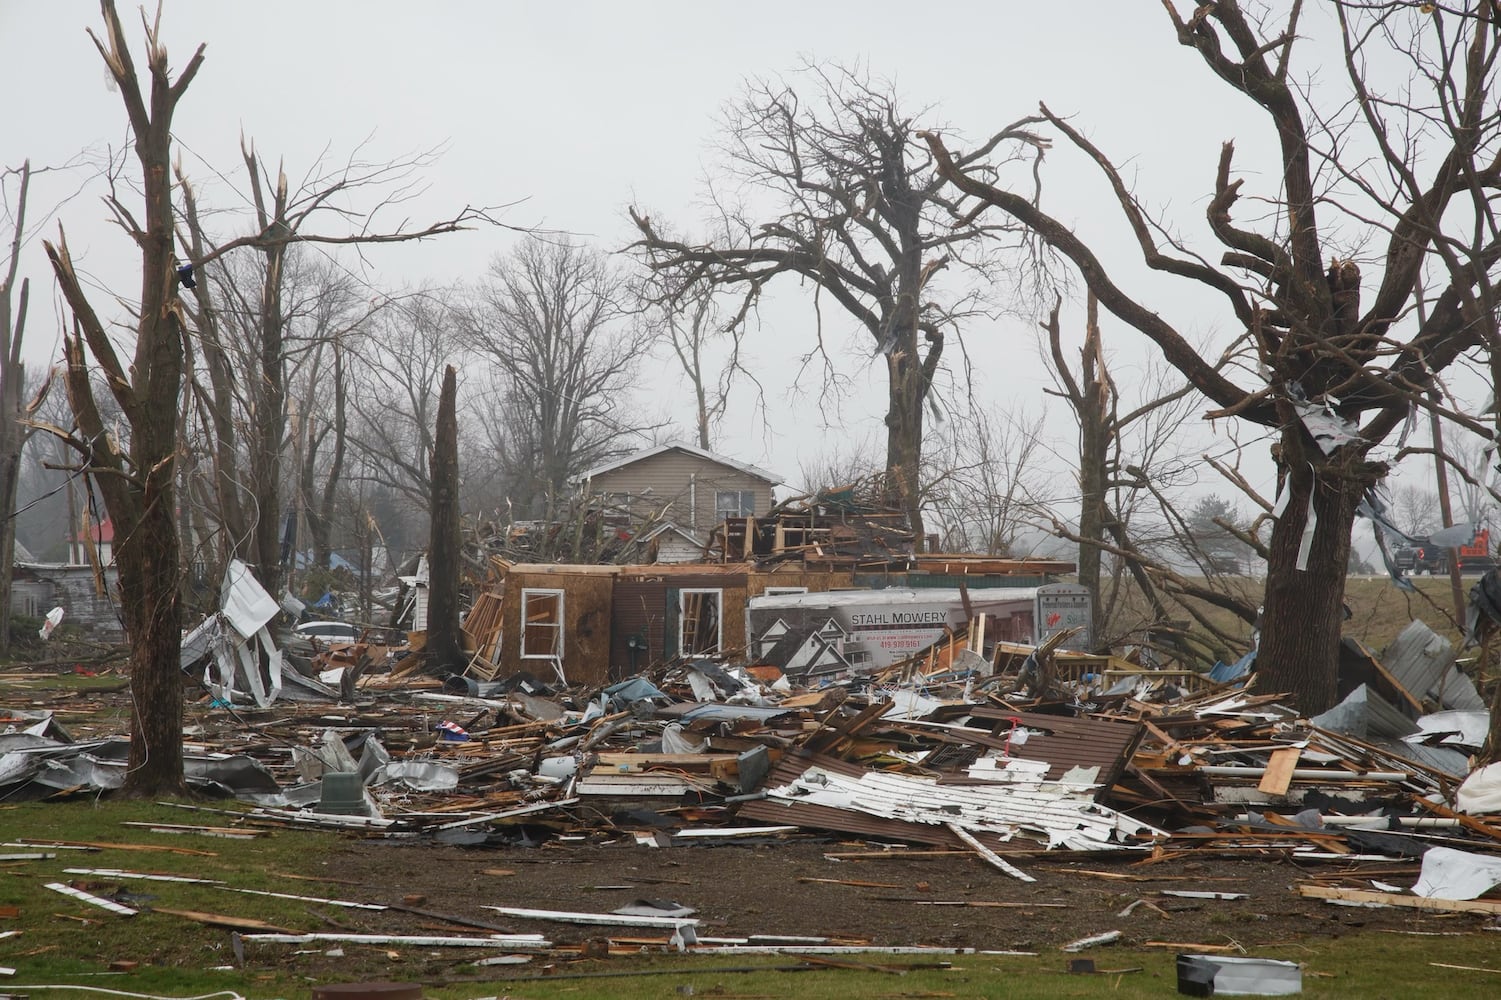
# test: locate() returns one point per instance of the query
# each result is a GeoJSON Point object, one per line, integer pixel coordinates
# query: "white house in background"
{"type": "Point", "coordinates": [95, 541]}
{"type": "Point", "coordinates": [690, 489]}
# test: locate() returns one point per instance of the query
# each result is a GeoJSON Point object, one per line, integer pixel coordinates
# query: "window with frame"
{"type": "Point", "coordinates": [734, 503]}
{"type": "Point", "coordinates": [541, 624]}
{"type": "Point", "coordinates": [777, 591]}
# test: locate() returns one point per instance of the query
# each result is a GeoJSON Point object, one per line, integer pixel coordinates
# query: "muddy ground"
{"type": "Point", "coordinates": [793, 887]}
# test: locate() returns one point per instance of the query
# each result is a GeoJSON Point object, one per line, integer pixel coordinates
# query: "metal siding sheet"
{"type": "Point", "coordinates": [1070, 742]}
{"type": "Point", "coordinates": [794, 764]}
{"type": "Point", "coordinates": [1418, 658]}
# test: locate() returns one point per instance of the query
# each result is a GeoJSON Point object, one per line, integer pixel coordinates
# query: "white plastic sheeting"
{"type": "Point", "coordinates": [1481, 792]}
{"type": "Point", "coordinates": [1451, 874]}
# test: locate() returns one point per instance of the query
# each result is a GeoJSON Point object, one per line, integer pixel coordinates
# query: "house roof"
{"type": "Point", "coordinates": [708, 456]}
{"type": "Point", "coordinates": [96, 531]}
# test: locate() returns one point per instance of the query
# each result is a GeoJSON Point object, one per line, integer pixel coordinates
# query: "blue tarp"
{"type": "Point", "coordinates": [1222, 672]}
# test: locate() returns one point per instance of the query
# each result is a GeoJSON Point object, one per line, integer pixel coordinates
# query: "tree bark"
{"type": "Point", "coordinates": [12, 388]}
{"type": "Point", "coordinates": [443, 553]}
{"type": "Point", "coordinates": [272, 423]}
{"type": "Point", "coordinates": [904, 442]}
{"type": "Point", "coordinates": [1304, 609]}
{"type": "Point", "coordinates": [321, 513]}
{"type": "Point", "coordinates": [139, 488]}
{"type": "Point", "coordinates": [1094, 452]}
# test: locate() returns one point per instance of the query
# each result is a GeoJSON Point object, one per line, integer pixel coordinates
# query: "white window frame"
{"type": "Point", "coordinates": [718, 593]}
{"type": "Point", "coordinates": [778, 591]}
{"type": "Point", "coordinates": [721, 511]}
{"type": "Point", "coordinates": [526, 595]}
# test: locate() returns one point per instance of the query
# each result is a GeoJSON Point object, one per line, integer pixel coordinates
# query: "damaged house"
{"type": "Point", "coordinates": [593, 624]}
{"type": "Point", "coordinates": [682, 491]}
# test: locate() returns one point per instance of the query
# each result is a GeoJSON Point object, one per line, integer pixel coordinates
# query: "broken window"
{"type": "Point", "coordinates": [699, 621]}
{"type": "Point", "coordinates": [541, 624]}
{"type": "Point", "coordinates": [734, 503]}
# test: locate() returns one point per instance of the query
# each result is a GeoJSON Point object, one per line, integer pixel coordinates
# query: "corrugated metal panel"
{"type": "Point", "coordinates": [1068, 742]}
{"type": "Point", "coordinates": [1418, 658]}
{"type": "Point", "coordinates": [815, 817]}
{"type": "Point", "coordinates": [1422, 661]}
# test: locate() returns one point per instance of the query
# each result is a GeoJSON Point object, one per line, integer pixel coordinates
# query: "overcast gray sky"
{"type": "Point", "coordinates": [581, 108]}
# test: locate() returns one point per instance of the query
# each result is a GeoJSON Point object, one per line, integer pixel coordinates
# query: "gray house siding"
{"type": "Point", "coordinates": [685, 486]}
{"type": "Point", "coordinates": [39, 587]}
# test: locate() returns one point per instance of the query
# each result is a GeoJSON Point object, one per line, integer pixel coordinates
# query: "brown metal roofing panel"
{"type": "Point", "coordinates": [815, 817]}
{"type": "Point", "coordinates": [1067, 742]}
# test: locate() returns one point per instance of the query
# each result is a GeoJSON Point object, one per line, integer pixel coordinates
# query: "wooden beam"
{"type": "Point", "coordinates": [1396, 899]}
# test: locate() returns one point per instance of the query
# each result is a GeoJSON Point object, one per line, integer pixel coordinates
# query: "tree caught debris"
{"type": "Point", "coordinates": [1331, 375]}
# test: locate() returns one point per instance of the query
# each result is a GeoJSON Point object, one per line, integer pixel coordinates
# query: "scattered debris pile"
{"type": "Point", "coordinates": [1005, 752]}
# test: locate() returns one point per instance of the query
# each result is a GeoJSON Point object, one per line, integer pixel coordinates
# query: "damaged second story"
{"type": "Point", "coordinates": [678, 485]}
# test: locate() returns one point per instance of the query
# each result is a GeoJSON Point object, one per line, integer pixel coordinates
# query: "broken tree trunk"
{"type": "Point", "coordinates": [445, 654]}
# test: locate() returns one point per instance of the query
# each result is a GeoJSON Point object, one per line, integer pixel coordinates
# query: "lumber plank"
{"type": "Point", "coordinates": [223, 920]}
{"type": "Point", "coordinates": [1396, 899]}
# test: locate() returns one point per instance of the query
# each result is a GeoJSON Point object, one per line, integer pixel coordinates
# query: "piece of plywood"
{"type": "Point", "coordinates": [1491, 906]}
{"type": "Point", "coordinates": [1279, 771]}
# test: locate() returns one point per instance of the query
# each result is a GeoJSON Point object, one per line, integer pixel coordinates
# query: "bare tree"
{"type": "Point", "coordinates": [983, 483]}
{"type": "Point", "coordinates": [1128, 510]}
{"type": "Point", "coordinates": [1331, 379]}
{"type": "Point", "coordinates": [548, 322]}
{"type": "Point", "coordinates": [263, 307]}
{"type": "Point", "coordinates": [137, 477]}
{"type": "Point", "coordinates": [323, 414]}
{"type": "Point", "coordinates": [13, 409]}
{"type": "Point", "coordinates": [1415, 509]}
{"type": "Point", "coordinates": [1475, 479]}
{"type": "Point", "coordinates": [398, 374]}
{"type": "Point", "coordinates": [690, 326]}
{"type": "Point", "coordinates": [48, 476]}
{"type": "Point", "coordinates": [848, 462]}
{"type": "Point", "coordinates": [863, 217]}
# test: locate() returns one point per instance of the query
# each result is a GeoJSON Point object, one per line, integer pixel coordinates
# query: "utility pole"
{"type": "Point", "coordinates": [1456, 585]}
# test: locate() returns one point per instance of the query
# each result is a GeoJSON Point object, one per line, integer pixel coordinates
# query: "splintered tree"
{"type": "Point", "coordinates": [1127, 503]}
{"type": "Point", "coordinates": [258, 322]}
{"type": "Point", "coordinates": [443, 647]}
{"type": "Point", "coordinates": [1388, 186]}
{"type": "Point", "coordinates": [12, 390]}
{"type": "Point", "coordinates": [136, 477]}
{"type": "Point", "coordinates": [862, 217]}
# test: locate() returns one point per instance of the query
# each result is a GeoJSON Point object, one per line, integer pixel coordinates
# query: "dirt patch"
{"type": "Point", "coordinates": [792, 887]}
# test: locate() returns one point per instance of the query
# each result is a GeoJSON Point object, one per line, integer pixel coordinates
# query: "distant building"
{"type": "Point", "coordinates": [94, 542]}
{"type": "Point", "coordinates": [691, 489]}
{"type": "Point", "coordinates": [87, 599]}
